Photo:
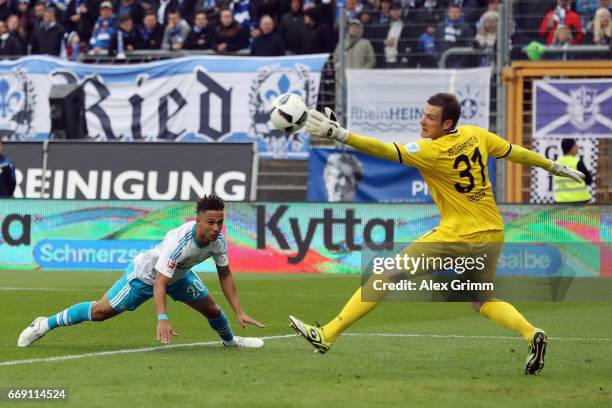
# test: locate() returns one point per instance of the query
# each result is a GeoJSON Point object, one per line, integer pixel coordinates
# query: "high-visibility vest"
{"type": "Point", "coordinates": [568, 190]}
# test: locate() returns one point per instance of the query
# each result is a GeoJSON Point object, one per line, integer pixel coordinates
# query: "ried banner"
{"type": "Point", "coordinates": [281, 238]}
{"type": "Point", "coordinates": [572, 108]}
{"type": "Point", "coordinates": [133, 171]}
{"type": "Point", "coordinates": [346, 175]}
{"type": "Point", "coordinates": [204, 98]}
{"type": "Point", "coordinates": [388, 104]}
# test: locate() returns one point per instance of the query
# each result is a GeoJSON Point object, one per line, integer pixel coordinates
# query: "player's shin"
{"type": "Point", "coordinates": [73, 315]}
{"type": "Point", "coordinates": [221, 326]}
{"type": "Point", "coordinates": [506, 315]}
{"type": "Point", "coordinates": [354, 310]}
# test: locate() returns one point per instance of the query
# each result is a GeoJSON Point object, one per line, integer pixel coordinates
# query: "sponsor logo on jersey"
{"type": "Point", "coordinates": [171, 265]}
{"type": "Point", "coordinates": [412, 147]}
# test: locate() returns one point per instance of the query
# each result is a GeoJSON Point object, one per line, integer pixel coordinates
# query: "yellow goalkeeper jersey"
{"type": "Point", "coordinates": [454, 167]}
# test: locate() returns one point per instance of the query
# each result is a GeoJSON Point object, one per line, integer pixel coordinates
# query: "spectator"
{"type": "Point", "coordinates": [373, 32]}
{"type": "Point", "coordinates": [47, 39]}
{"type": "Point", "coordinates": [163, 8]}
{"type": "Point", "coordinates": [103, 30]}
{"type": "Point", "coordinates": [396, 44]}
{"type": "Point", "coordinates": [561, 15]}
{"type": "Point", "coordinates": [352, 8]}
{"type": "Point", "coordinates": [9, 43]}
{"type": "Point", "coordinates": [151, 33]}
{"type": "Point", "coordinates": [131, 8]}
{"type": "Point", "coordinates": [384, 16]}
{"type": "Point", "coordinates": [602, 27]}
{"type": "Point", "coordinates": [5, 10]}
{"type": "Point", "coordinates": [83, 15]}
{"type": "Point", "coordinates": [74, 46]}
{"type": "Point", "coordinates": [187, 8]}
{"type": "Point", "coordinates": [176, 32]}
{"type": "Point", "coordinates": [265, 7]}
{"type": "Point", "coordinates": [25, 26]}
{"type": "Point", "coordinates": [38, 15]}
{"type": "Point", "coordinates": [230, 35]}
{"type": "Point", "coordinates": [587, 7]}
{"type": "Point", "coordinates": [61, 9]}
{"type": "Point", "coordinates": [453, 32]}
{"type": "Point", "coordinates": [292, 27]}
{"type": "Point", "coordinates": [425, 10]}
{"type": "Point", "coordinates": [268, 43]}
{"type": "Point", "coordinates": [14, 28]}
{"type": "Point", "coordinates": [486, 38]}
{"type": "Point", "coordinates": [358, 52]}
{"type": "Point", "coordinates": [244, 12]}
{"type": "Point", "coordinates": [426, 46]}
{"type": "Point", "coordinates": [7, 176]}
{"type": "Point", "coordinates": [563, 40]}
{"type": "Point", "coordinates": [567, 190]}
{"type": "Point", "coordinates": [126, 34]}
{"type": "Point", "coordinates": [201, 37]}
{"type": "Point", "coordinates": [318, 37]}
{"type": "Point", "coordinates": [492, 5]}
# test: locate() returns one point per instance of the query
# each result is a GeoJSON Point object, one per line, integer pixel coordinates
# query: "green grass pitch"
{"type": "Point", "coordinates": [402, 354]}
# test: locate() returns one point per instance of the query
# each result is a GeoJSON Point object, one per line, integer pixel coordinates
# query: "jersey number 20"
{"type": "Point", "coordinates": [467, 173]}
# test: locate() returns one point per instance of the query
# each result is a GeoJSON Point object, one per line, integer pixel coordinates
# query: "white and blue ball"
{"type": "Point", "coordinates": [288, 113]}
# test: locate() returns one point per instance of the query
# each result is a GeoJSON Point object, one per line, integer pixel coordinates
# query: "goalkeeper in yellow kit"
{"type": "Point", "coordinates": [452, 161]}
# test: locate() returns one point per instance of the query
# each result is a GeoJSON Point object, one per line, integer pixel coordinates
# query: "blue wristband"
{"type": "Point", "coordinates": [162, 316]}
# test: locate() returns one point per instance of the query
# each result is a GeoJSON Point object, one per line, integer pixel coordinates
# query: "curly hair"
{"type": "Point", "coordinates": [209, 202]}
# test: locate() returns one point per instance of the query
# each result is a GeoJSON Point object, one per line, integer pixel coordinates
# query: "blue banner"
{"type": "Point", "coordinates": [342, 175]}
{"type": "Point", "coordinates": [348, 175]}
{"type": "Point", "coordinates": [201, 99]}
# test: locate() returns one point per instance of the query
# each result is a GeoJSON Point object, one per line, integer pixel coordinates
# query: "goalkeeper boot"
{"type": "Point", "coordinates": [313, 334]}
{"type": "Point", "coordinates": [537, 350]}
{"type": "Point", "coordinates": [31, 333]}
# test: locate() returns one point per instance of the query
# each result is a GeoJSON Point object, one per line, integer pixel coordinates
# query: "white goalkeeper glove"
{"type": "Point", "coordinates": [325, 126]}
{"type": "Point", "coordinates": [562, 170]}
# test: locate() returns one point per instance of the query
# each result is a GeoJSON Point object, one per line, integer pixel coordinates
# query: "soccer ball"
{"type": "Point", "coordinates": [289, 113]}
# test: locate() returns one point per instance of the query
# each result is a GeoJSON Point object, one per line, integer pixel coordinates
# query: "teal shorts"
{"type": "Point", "coordinates": [129, 292]}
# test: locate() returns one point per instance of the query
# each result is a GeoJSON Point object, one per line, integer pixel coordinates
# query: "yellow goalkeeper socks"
{"type": "Point", "coordinates": [506, 315]}
{"type": "Point", "coordinates": [354, 310]}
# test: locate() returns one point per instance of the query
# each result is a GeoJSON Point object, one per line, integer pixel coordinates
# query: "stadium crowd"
{"type": "Point", "coordinates": [381, 33]}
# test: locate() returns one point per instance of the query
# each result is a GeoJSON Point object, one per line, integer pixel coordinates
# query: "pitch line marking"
{"type": "Point", "coordinates": [284, 336]}
{"type": "Point", "coordinates": [460, 336]}
{"type": "Point", "coordinates": [17, 289]}
{"type": "Point", "coordinates": [124, 351]}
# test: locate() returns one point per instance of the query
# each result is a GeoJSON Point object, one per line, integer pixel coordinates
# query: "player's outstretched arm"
{"type": "Point", "coordinates": [326, 126]}
{"type": "Point", "coordinates": [228, 285]}
{"type": "Point", "coordinates": [526, 157]}
{"type": "Point", "coordinates": [164, 330]}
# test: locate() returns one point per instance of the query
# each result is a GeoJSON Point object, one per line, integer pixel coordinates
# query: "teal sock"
{"type": "Point", "coordinates": [75, 314]}
{"type": "Point", "coordinates": [221, 326]}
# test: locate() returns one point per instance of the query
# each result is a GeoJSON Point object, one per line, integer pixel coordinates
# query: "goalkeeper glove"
{"type": "Point", "coordinates": [325, 126]}
{"type": "Point", "coordinates": [562, 170]}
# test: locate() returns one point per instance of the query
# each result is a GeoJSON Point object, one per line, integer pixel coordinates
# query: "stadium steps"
{"type": "Point", "coordinates": [282, 180]}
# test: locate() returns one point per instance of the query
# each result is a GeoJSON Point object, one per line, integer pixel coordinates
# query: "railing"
{"type": "Point", "coordinates": [137, 56]}
{"type": "Point", "coordinates": [462, 51]}
{"type": "Point", "coordinates": [572, 50]}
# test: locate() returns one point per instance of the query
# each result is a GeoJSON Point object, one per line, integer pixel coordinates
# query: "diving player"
{"type": "Point", "coordinates": [166, 270]}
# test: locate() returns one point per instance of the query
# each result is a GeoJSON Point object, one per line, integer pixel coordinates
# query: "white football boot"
{"type": "Point", "coordinates": [244, 342]}
{"type": "Point", "coordinates": [31, 333]}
